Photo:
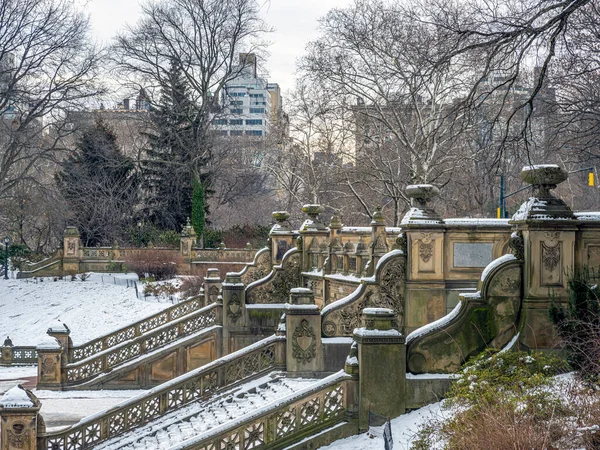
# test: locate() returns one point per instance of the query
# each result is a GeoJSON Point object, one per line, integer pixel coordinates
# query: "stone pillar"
{"type": "Point", "coordinates": [212, 286]}
{"type": "Point", "coordinates": [379, 246]}
{"type": "Point", "coordinates": [381, 366]}
{"type": "Point", "coordinates": [425, 277]}
{"type": "Point", "coordinates": [50, 364]}
{"type": "Point", "coordinates": [233, 294]}
{"type": "Point", "coordinates": [61, 332]}
{"type": "Point", "coordinates": [313, 232]}
{"type": "Point", "coordinates": [19, 413]}
{"type": "Point", "coordinates": [304, 348]}
{"type": "Point", "coordinates": [282, 237]}
{"type": "Point", "coordinates": [547, 228]}
{"type": "Point", "coordinates": [71, 250]}
{"type": "Point", "coordinates": [7, 351]}
{"type": "Point", "coordinates": [187, 241]}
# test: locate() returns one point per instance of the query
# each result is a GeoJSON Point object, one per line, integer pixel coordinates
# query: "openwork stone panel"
{"type": "Point", "coordinates": [102, 362]}
{"type": "Point", "coordinates": [259, 269]}
{"type": "Point", "coordinates": [221, 374]}
{"type": "Point", "coordinates": [132, 331]}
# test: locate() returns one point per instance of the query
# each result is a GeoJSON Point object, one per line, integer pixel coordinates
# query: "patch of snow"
{"type": "Point", "coordinates": [377, 333]}
{"type": "Point", "coordinates": [337, 340]}
{"type": "Point", "coordinates": [16, 398]}
{"type": "Point", "coordinates": [344, 301]}
{"type": "Point", "coordinates": [471, 295]}
{"type": "Point", "coordinates": [388, 255]}
{"type": "Point", "coordinates": [90, 309]}
{"type": "Point", "coordinates": [588, 215]}
{"type": "Point", "coordinates": [48, 343]}
{"type": "Point", "coordinates": [480, 222]}
{"type": "Point", "coordinates": [301, 290]}
{"type": "Point", "coordinates": [266, 305]}
{"type": "Point", "coordinates": [14, 372]}
{"type": "Point", "coordinates": [314, 273]}
{"type": "Point", "coordinates": [356, 230]}
{"type": "Point", "coordinates": [496, 263]}
{"type": "Point", "coordinates": [432, 376]}
{"type": "Point", "coordinates": [433, 326]}
{"type": "Point", "coordinates": [352, 361]}
{"type": "Point", "coordinates": [378, 311]}
{"type": "Point", "coordinates": [341, 277]}
{"type": "Point", "coordinates": [511, 343]}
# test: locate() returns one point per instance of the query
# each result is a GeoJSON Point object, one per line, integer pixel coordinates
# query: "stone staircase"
{"type": "Point", "coordinates": [202, 416]}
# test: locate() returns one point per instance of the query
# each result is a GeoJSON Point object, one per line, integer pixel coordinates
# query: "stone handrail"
{"type": "Point", "coordinates": [314, 407]}
{"type": "Point", "coordinates": [242, 365]}
{"type": "Point", "coordinates": [106, 360]}
{"type": "Point", "coordinates": [31, 269]}
{"type": "Point", "coordinates": [83, 351]}
{"type": "Point", "coordinates": [485, 319]}
{"type": "Point", "coordinates": [259, 268]}
{"type": "Point", "coordinates": [385, 289]}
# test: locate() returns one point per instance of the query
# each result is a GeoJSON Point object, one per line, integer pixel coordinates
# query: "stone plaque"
{"type": "Point", "coordinates": [472, 254]}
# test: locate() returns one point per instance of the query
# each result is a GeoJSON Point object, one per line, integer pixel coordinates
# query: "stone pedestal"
{"type": "Point", "coordinates": [19, 410]}
{"type": "Point", "coordinates": [547, 228]}
{"type": "Point", "coordinates": [212, 286]}
{"type": "Point", "coordinates": [61, 332]}
{"type": "Point", "coordinates": [315, 236]}
{"type": "Point", "coordinates": [304, 348]}
{"type": "Point", "coordinates": [7, 352]}
{"type": "Point", "coordinates": [381, 366]}
{"type": "Point", "coordinates": [71, 250]}
{"type": "Point", "coordinates": [282, 237]}
{"type": "Point", "coordinates": [50, 362]}
{"type": "Point", "coordinates": [187, 241]}
{"type": "Point", "coordinates": [234, 307]}
{"type": "Point", "coordinates": [379, 245]}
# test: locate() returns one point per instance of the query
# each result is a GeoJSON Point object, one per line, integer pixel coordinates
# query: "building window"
{"type": "Point", "coordinates": [236, 132]}
{"type": "Point", "coordinates": [253, 121]}
{"type": "Point", "coordinates": [257, 110]}
{"type": "Point", "coordinates": [223, 132]}
{"type": "Point", "coordinates": [237, 111]}
{"type": "Point", "coordinates": [237, 102]}
{"type": "Point", "coordinates": [236, 122]}
{"type": "Point", "coordinates": [221, 121]}
{"type": "Point", "coordinates": [257, 95]}
{"type": "Point", "coordinates": [253, 132]}
{"type": "Point", "coordinates": [237, 94]}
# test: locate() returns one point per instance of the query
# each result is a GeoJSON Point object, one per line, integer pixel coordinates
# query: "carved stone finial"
{"type": "Point", "coordinates": [543, 204]}
{"type": "Point", "coordinates": [421, 212]}
{"type": "Point", "coordinates": [378, 218]}
{"type": "Point", "coordinates": [336, 221]}
{"type": "Point", "coordinates": [312, 223]}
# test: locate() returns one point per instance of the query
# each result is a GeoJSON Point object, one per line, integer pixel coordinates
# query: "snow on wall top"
{"type": "Point", "coordinates": [438, 324]}
{"type": "Point", "coordinates": [16, 397]}
{"type": "Point", "coordinates": [495, 263]}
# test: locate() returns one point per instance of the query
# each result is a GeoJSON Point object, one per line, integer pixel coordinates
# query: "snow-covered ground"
{"type": "Point", "coordinates": [404, 429]}
{"type": "Point", "coordinates": [90, 308]}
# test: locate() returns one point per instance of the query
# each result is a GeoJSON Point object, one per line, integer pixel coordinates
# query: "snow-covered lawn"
{"type": "Point", "coordinates": [89, 308]}
{"type": "Point", "coordinates": [404, 429]}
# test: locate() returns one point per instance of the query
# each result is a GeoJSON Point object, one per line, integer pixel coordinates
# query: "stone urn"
{"type": "Point", "coordinates": [421, 212]}
{"type": "Point", "coordinates": [312, 223]}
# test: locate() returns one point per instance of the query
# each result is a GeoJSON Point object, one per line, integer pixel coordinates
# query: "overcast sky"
{"type": "Point", "coordinates": [295, 23]}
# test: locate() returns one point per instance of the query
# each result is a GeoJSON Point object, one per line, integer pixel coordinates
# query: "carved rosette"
{"type": "Point", "coordinates": [234, 307]}
{"type": "Point", "coordinates": [17, 436]}
{"type": "Point", "coordinates": [48, 368]}
{"type": "Point", "coordinates": [304, 343]}
{"type": "Point", "coordinates": [277, 289]}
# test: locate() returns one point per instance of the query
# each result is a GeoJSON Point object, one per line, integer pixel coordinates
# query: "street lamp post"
{"type": "Point", "coordinates": [6, 258]}
{"type": "Point", "coordinates": [139, 234]}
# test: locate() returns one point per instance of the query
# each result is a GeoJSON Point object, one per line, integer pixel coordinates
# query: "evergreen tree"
{"type": "Point", "coordinates": [198, 210]}
{"type": "Point", "coordinates": [171, 166]}
{"type": "Point", "coordinates": [99, 185]}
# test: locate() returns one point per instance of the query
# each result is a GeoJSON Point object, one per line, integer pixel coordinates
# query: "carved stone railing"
{"type": "Point", "coordinates": [183, 308]}
{"type": "Point", "coordinates": [312, 408]}
{"type": "Point", "coordinates": [160, 336]}
{"type": "Point", "coordinates": [243, 365]}
{"type": "Point", "coordinates": [275, 287]}
{"type": "Point", "coordinates": [29, 270]}
{"type": "Point", "coordinates": [18, 355]}
{"type": "Point", "coordinates": [257, 269]}
{"type": "Point", "coordinates": [385, 289]}
{"type": "Point", "coordinates": [485, 319]}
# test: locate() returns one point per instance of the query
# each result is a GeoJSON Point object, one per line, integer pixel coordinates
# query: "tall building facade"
{"type": "Point", "coordinates": [251, 105]}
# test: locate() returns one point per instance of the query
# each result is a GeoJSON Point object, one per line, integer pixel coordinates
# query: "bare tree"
{"type": "Point", "coordinates": [47, 65]}
{"type": "Point", "coordinates": [204, 37]}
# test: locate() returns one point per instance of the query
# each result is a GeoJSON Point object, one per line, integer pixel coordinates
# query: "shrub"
{"type": "Point", "coordinates": [190, 286]}
{"type": "Point", "coordinates": [158, 264]}
{"type": "Point", "coordinates": [578, 324]}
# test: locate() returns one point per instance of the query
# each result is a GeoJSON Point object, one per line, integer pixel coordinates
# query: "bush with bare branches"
{"type": "Point", "coordinates": [155, 263]}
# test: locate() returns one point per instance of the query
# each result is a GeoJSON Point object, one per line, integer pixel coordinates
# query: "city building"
{"type": "Point", "coordinates": [251, 105]}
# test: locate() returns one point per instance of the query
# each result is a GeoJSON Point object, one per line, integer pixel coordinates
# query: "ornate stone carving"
{"type": "Point", "coordinates": [550, 256]}
{"type": "Point", "coordinates": [17, 437]}
{"type": "Point", "coordinates": [48, 367]}
{"type": "Point", "coordinates": [426, 247]}
{"type": "Point", "coordinates": [304, 344]}
{"type": "Point", "coordinates": [260, 270]}
{"type": "Point", "coordinates": [277, 290]}
{"type": "Point", "coordinates": [517, 244]}
{"type": "Point", "coordinates": [234, 307]}
{"type": "Point", "coordinates": [401, 243]}
{"type": "Point", "coordinates": [388, 294]}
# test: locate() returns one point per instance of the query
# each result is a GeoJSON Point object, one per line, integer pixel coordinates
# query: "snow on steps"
{"type": "Point", "coordinates": [202, 416]}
